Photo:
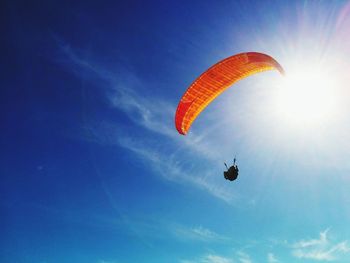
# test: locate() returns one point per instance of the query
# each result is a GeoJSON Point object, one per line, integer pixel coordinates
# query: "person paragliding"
{"type": "Point", "coordinates": [232, 172]}
{"type": "Point", "coordinates": [213, 82]}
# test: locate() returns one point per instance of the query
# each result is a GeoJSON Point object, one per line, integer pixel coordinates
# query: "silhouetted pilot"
{"type": "Point", "coordinates": [232, 172]}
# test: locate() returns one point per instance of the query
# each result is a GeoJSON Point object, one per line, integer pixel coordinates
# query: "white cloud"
{"type": "Point", "coordinates": [148, 228]}
{"type": "Point", "coordinates": [271, 258]}
{"type": "Point", "coordinates": [313, 242]}
{"type": "Point", "coordinates": [243, 257]}
{"type": "Point", "coordinates": [170, 169]}
{"type": "Point", "coordinates": [321, 249]}
{"type": "Point", "coordinates": [198, 233]}
{"type": "Point", "coordinates": [216, 259]}
{"type": "Point", "coordinates": [210, 258]}
{"type": "Point", "coordinates": [206, 233]}
{"type": "Point", "coordinates": [151, 114]}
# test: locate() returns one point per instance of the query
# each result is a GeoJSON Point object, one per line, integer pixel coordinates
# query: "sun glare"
{"type": "Point", "coordinates": [306, 96]}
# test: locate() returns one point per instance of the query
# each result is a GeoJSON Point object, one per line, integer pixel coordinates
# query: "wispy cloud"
{"type": "Point", "coordinates": [210, 258]}
{"type": "Point", "coordinates": [243, 257]}
{"type": "Point", "coordinates": [149, 228]}
{"type": "Point", "coordinates": [152, 114]}
{"type": "Point", "coordinates": [271, 258]}
{"type": "Point", "coordinates": [120, 89]}
{"type": "Point", "coordinates": [198, 233]}
{"type": "Point", "coordinates": [123, 91]}
{"type": "Point", "coordinates": [171, 169]}
{"type": "Point", "coordinates": [321, 249]}
{"type": "Point", "coordinates": [216, 259]}
{"type": "Point", "coordinates": [170, 166]}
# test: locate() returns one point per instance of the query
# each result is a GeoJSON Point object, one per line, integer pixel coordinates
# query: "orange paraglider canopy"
{"type": "Point", "coordinates": [215, 80]}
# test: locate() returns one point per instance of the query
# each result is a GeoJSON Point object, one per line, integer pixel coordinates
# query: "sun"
{"type": "Point", "coordinates": [307, 96]}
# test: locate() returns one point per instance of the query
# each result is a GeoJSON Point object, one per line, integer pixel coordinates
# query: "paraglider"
{"type": "Point", "coordinates": [217, 79]}
{"type": "Point", "coordinates": [213, 82]}
{"type": "Point", "coordinates": [232, 172]}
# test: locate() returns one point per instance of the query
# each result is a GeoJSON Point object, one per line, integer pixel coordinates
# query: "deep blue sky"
{"type": "Point", "coordinates": [92, 168]}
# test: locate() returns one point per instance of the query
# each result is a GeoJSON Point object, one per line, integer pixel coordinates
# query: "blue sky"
{"type": "Point", "coordinates": [93, 169]}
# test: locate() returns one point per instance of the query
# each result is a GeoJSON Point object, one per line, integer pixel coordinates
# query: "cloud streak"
{"type": "Point", "coordinates": [210, 258]}
{"type": "Point", "coordinates": [243, 257]}
{"type": "Point", "coordinates": [151, 114]}
{"type": "Point", "coordinates": [321, 249]}
{"type": "Point", "coordinates": [271, 258]}
{"type": "Point", "coordinates": [170, 169]}
{"type": "Point", "coordinates": [198, 233]}
{"type": "Point", "coordinates": [215, 258]}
